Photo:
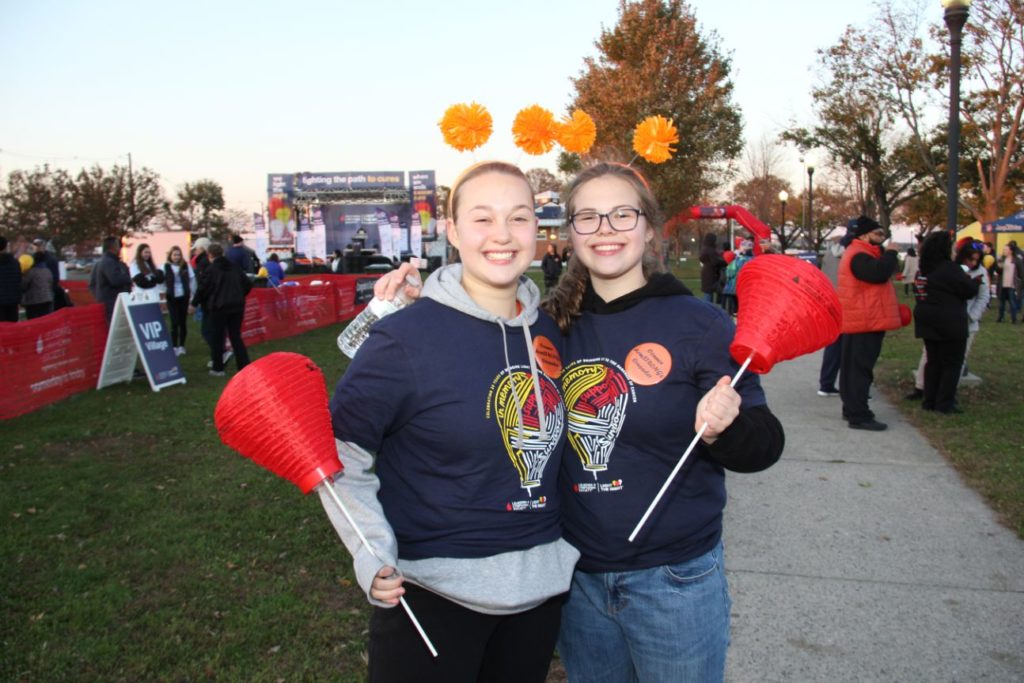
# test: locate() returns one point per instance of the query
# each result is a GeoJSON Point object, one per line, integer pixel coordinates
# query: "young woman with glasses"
{"type": "Point", "coordinates": [646, 363]}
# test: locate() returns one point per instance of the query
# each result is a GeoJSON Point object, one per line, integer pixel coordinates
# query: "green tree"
{"type": "Point", "coordinates": [912, 81]}
{"type": "Point", "coordinates": [199, 205]}
{"type": "Point", "coordinates": [655, 61]}
{"type": "Point", "coordinates": [856, 126]}
{"type": "Point", "coordinates": [543, 180]}
{"type": "Point", "coordinates": [116, 202]}
{"type": "Point", "coordinates": [38, 202]}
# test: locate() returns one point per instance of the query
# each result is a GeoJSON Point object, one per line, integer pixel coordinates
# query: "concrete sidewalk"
{"type": "Point", "coordinates": [862, 556]}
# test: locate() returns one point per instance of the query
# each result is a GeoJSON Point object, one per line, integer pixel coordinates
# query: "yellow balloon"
{"type": "Point", "coordinates": [26, 261]}
{"type": "Point", "coordinates": [263, 272]}
{"type": "Point", "coordinates": [988, 260]}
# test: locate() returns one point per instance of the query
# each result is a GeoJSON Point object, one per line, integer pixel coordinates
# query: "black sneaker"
{"type": "Point", "coordinates": [915, 395]}
{"type": "Point", "coordinates": [870, 425]}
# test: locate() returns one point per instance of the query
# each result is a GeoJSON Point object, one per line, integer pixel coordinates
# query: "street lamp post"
{"type": "Point", "coordinates": [956, 16]}
{"type": "Point", "coordinates": [810, 201]}
{"type": "Point", "coordinates": [783, 196]}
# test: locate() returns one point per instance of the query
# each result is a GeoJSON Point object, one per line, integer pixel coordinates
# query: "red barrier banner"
{"type": "Point", "coordinates": [48, 358]}
{"type": "Point", "coordinates": [52, 357]}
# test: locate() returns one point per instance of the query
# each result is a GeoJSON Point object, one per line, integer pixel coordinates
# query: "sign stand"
{"type": "Point", "coordinates": [137, 329]}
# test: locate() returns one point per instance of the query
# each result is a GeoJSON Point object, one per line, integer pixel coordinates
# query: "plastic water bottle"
{"type": "Point", "coordinates": [353, 336]}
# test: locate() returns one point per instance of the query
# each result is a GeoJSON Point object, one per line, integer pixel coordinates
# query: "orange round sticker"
{"type": "Point", "coordinates": [547, 357]}
{"type": "Point", "coordinates": [648, 364]}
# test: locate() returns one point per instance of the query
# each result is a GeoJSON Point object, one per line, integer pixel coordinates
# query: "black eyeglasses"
{"type": "Point", "coordinates": [621, 219]}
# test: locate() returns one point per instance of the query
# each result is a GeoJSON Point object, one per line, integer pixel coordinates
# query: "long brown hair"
{"type": "Point", "coordinates": [564, 301]}
{"type": "Point", "coordinates": [144, 266]}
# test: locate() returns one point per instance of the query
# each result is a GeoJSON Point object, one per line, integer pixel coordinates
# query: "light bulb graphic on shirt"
{"type": "Point", "coordinates": [530, 449]}
{"type": "Point", "coordinates": [596, 396]}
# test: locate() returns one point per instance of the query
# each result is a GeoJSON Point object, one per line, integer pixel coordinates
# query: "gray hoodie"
{"type": "Point", "coordinates": [506, 583]}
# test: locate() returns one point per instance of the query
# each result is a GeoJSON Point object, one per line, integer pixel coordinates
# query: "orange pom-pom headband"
{"type": "Point", "coordinates": [535, 131]}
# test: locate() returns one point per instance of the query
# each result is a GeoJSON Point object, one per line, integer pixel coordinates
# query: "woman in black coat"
{"type": "Point", "coordinates": [942, 289]}
{"type": "Point", "coordinates": [551, 264]}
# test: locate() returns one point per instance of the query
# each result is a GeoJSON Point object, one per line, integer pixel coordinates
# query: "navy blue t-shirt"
{"type": "Point", "coordinates": [430, 394]}
{"type": "Point", "coordinates": [631, 385]}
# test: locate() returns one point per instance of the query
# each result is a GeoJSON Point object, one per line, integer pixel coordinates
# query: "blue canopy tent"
{"type": "Point", "coordinates": [1004, 230]}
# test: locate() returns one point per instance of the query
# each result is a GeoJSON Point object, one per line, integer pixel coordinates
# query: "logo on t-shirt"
{"type": "Point", "coordinates": [597, 392]}
{"type": "Point", "coordinates": [527, 446]}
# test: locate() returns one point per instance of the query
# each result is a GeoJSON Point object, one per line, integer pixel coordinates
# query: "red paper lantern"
{"type": "Point", "coordinates": [905, 315]}
{"type": "Point", "coordinates": [729, 256]}
{"type": "Point", "coordinates": [274, 412]}
{"type": "Point", "coordinates": [787, 308]}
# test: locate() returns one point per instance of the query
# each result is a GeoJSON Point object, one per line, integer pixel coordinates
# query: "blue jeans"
{"type": "Point", "coordinates": [668, 623]}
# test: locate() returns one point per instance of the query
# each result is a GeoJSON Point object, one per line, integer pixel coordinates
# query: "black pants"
{"type": "Point", "coordinates": [942, 373]}
{"type": "Point", "coordinates": [471, 646]}
{"type": "Point", "coordinates": [177, 309]}
{"type": "Point", "coordinates": [830, 362]}
{"type": "Point", "coordinates": [857, 372]}
{"type": "Point", "coordinates": [38, 310]}
{"type": "Point", "coordinates": [231, 322]}
{"type": "Point", "coordinates": [9, 313]}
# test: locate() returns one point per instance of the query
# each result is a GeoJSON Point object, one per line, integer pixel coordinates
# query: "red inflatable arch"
{"type": "Point", "coordinates": [746, 219]}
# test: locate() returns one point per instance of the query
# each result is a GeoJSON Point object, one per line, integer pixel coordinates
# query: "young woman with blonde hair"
{"type": "Point", "coordinates": [450, 425]}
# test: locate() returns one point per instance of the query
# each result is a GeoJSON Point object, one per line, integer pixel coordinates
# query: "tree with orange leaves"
{"type": "Point", "coordinates": [654, 61]}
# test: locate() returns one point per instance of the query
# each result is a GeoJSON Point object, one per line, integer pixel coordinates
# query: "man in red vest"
{"type": "Point", "coordinates": [869, 309]}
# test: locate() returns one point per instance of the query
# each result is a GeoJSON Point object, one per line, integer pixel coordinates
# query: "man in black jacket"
{"type": "Point", "coordinates": [110, 276]}
{"type": "Point", "coordinates": [10, 284]}
{"type": "Point", "coordinates": [221, 293]}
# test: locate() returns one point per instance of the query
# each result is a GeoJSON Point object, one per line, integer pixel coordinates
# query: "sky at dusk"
{"type": "Point", "coordinates": [235, 90]}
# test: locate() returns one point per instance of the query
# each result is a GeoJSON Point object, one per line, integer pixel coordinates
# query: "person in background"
{"type": "Point", "coordinates": [969, 258]}
{"type": "Point", "coordinates": [59, 295]}
{"type": "Point", "coordinates": [10, 284]}
{"type": "Point", "coordinates": [110, 276]}
{"type": "Point", "coordinates": [221, 293]}
{"type": "Point", "coordinates": [37, 288]}
{"type": "Point", "coordinates": [832, 357]}
{"type": "Point", "coordinates": [200, 263]}
{"type": "Point", "coordinates": [1010, 280]}
{"type": "Point", "coordinates": [909, 270]}
{"type": "Point", "coordinates": [180, 280]}
{"type": "Point", "coordinates": [146, 277]}
{"type": "Point", "coordinates": [275, 273]}
{"type": "Point", "coordinates": [869, 305]}
{"type": "Point", "coordinates": [241, 255]}
{"type": "Point", "coordinates": [551, 264]}
{"type": "Point", "coordinates": [711, 265]}
{"type": "Point", "coordinates": [732, 272]}
{"type": "Point", "coordinates": [942, 289]}
{"type": "Point", "coordinates": [337, 265]}
{"type": "Point", "coordinates": [566, 255]}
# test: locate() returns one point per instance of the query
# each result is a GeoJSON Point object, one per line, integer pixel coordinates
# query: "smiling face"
{"type": "Point", "coordinates": [495, 233]}
{"type": "Point", "coordinates": [614, 259]}
{"type": "Point", "coordinates": [176, 256]}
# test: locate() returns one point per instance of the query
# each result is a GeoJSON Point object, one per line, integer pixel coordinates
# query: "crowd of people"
{"type": "Point", "coordinates": [953, 285]}
{"type": "Point", "coordinates": [211, 285]}
{"type": "Point", "coordinates": [29, 279]}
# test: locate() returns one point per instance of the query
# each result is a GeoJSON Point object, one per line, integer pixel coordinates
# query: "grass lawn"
{"type": "Point", "coordinates": [136, 547]}
{"type": "Point", "coordinates": [986, 442]}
